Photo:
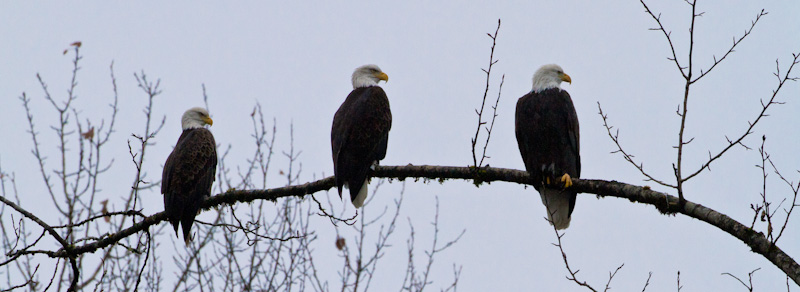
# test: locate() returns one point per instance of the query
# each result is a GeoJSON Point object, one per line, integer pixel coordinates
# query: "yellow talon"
{"type": "Point", "coordinates": [547, 180]}
{"type": "Point", "coordinates": [566, 180]}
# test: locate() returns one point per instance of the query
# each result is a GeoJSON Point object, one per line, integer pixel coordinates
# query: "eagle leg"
{"type": "Point", "coordinates": [567, 180]}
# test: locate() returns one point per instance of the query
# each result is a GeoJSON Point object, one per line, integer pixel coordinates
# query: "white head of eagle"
{"type": "Point", "coordinates": [368, 75]}
{"type": "Point", "coordinates": [549, 76]}
{"type": "Point", "coordinates": [195, 117]}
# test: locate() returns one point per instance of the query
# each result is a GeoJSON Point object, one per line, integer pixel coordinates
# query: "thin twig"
{"type": "Point", "coordinates": [647, 283]}
{"type": "Point", "coordinates": [573, 275]}
{"type": "Point", "coordinates": [730, 50]}
{"type": "Point", "coordinates": [749, 287]}
{"type": "Point", "coordinates": [481, 123]}
{"type": "Point", "coordinates": [494, 116]}
{"type": "Point", "coordinates": [628, 157]}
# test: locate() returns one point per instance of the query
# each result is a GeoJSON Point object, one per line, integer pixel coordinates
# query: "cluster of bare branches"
{"type": "Point", "coordinates": [765, 209]}
{"type": "Point", "coordinates": [15, 236]}
{"type": "Point", "coordinates": [73, 188]}
{"type": "Point", "coordinates": [687, 72]}
{"type": "Point", "coordinates": [245, 247]}
{"type": "Point", "coordinates": [417, 280]}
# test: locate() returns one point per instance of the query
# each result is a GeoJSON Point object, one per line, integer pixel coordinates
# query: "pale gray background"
{"type": "Point", "coordinates": [296, 60]}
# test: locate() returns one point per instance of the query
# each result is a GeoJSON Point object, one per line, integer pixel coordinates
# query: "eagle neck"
{"type": "Point", "coordinates": [364, 81]}
{"type": "Point", "coordinates": [186, 130]}
{"type": "Point", "coordinates": [188, 123]}
{"type": "Point", "coordinates": [539, 87]}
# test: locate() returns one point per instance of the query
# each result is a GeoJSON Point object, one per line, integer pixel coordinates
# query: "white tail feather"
{"type": "Point", "coordinates": [358, 201]}
{"type": "Point", "coordinates": [557, 204]}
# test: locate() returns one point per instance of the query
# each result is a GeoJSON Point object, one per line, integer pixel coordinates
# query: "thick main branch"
{"type": "Point", "coordinates": [665, 203]}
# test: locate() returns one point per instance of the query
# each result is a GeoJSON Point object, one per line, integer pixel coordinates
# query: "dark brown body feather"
{"type": "Point", "coordinates": [359, 136]}
{"type": "Point", "coordinates": [548, 137]}
{"type": "Point", "coordinates": [187, 178]}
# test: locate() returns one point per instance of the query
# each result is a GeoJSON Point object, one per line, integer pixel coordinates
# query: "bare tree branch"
{"type": "Point", "coordinates": [478, 163]}
{"type": "Point", "coordinates": [730, 50]}
{"type": "Point", "coordinates": [749, 278]}
{"type": "Point", "coordinates": [667, 34]}
{"type": "Point", "coordinates": [573, 275]}
{"type": "Point", "coordinates": [782, 79]}
{"type": "Point", "coordinates": [66, 247]}
{"type": "Point", "coordinates": [628, 157]}
{"type": "Point", "coordinates": [664, 202]}
{"type": "Point", "coordinates": [647, 283]}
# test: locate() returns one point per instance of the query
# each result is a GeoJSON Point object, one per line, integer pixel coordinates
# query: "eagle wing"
{"type": "Point", "coordinates": [188, 175]}
{"type": "Point", "coordinates": [547, 131]}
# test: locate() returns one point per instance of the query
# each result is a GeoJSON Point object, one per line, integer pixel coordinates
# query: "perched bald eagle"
{"type": "Point", "coordinates": [189, 171]}
{"type": "Point", "coordinates": [360, 132]}
{"type": "Point", "coordinates": [549, 141]}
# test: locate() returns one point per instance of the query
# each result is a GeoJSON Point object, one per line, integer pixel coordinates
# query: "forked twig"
{"type": "Point", "coordinates": [476, 162]}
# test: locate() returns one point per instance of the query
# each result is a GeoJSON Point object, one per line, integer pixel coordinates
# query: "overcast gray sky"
{"type": "Point", "coordinates": [295, 58]}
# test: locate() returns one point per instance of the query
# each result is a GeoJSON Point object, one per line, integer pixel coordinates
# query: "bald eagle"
{"type": "Point", "coordinates": [360, 132]}
{"type": "Point", "coordinates": [189, 171]}
{"type": "Point", "coordinates": [549, 141]}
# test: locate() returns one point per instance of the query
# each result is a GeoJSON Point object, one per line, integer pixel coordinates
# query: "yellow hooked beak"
{"type": "Point", "coordinates": [382, 76]}
{"type": "Point", "coordinates": [208, 121]}
{"type": "Point", "coordinates": [565, 77]}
